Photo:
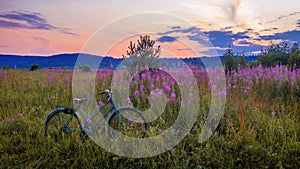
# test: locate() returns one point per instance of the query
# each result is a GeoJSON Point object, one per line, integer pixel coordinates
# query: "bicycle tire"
{"type": "Point", "coordinates": [134, 123]}
{"type": "Point", "coordinates": [56, 125]}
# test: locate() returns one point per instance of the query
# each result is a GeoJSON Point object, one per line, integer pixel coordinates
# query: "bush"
{"type": "Point", "coordinates": [85, 68]}
{"type": "Point", "coordinates": [5, 67]}
{"type": "Point", "coordinates": [34, 67]}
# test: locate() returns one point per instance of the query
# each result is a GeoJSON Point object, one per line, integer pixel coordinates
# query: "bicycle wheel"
{"type": "Point", "coordinates": [128, 122]}
{"type": "Point", "coordinates": [61, 125]}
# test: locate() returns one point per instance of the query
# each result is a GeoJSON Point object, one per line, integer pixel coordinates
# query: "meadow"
{"type": "Point", "coordinates": [259, 129]}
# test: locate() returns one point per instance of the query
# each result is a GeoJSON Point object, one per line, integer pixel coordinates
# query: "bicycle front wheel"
{"type": "Point", "coordinates": [61, 125]}
{"type": "Point", "coordinates": [127, 121]}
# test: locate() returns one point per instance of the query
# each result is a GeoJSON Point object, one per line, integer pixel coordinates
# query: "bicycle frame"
{"type": "Point", "coordinates": [108, 113]}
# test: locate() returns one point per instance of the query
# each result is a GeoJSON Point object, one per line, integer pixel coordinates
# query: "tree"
{"type": "Point", "coordinates": [85, 68]}
{"type": "Point", "coordinates": [34, 67]}
{"type": "Point", "coordinates": [4, 67]}
{"type": "Point", "coordinates": [141, 55]}
{"type": "Point", "coordinates": [229, 60]}
{"type": "Point", "coordinates": [294, 58]}
{"type": "Point", "coordinates": [275, 55]}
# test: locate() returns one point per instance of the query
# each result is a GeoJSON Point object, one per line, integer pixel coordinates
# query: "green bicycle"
{"type": "Point", "coordinates": [65, 121]}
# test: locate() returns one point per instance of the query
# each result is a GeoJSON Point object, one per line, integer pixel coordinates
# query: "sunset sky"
{"type": "Point", "coordinates": [66, 26]}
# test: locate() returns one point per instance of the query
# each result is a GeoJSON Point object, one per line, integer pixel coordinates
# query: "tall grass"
{"type": "Point", "coordinates": [260, 127]}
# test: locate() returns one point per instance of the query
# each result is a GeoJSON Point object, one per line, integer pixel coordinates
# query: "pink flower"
{"type": "Point", "coordinates": [273, 114]}
{"type": "Point", "coordinates": [5, 120]}
{"type": "Point", "coordinates": [136, 93]}
{"type": "Point", "coordinates": [129, 101]}
{"type": "Point", "coordinates": [89, 120]}
{"type": "Point", "coordinates": [161, 132]}
{"type": "Point", "coordinates": [173, 95]}
{"type": "Point", "coordinates": [20, 115]}
{"type": "Point", "coordinates": [168, 88]}
{"type": "Point", "coordinates": [129, 120]}
{"type": "Point", "coordinates": [191, 95]}
{"type": "Point", "coordinates": [12, 120]}
{"type": "Point", "coordinates": [214, 87]}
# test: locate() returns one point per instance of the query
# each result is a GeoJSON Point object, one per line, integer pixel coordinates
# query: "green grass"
{"type": "Point", "coordinates": [248, 135]}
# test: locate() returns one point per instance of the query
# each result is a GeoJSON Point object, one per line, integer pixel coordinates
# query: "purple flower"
{"type": "Point", "coordinates": [129, 120]}
{"type": "Point", "coordinates": [168, 88]}
{"type": "Point", "coordinates": [161, 132]}
{"type": "Point", "coordinates": [143, 76]}
{"type": "Point", "coordinates": [100, 103]}
{"type": "Point", "coordinates": [136, 93]}
{"type": "Point", "coordinates": [5, 120]}
{"type": "Point", "coordinates": [20, 115]}
{"type": "Point", "coordinates": [173, 95]}
{"type": "Point", "coordinates": [273, 114]}
{"type": "Point", "coordinates": [222, 93]}
{"type": "Point", "coordinates": [152, 86]}
{"type": "Point", "coordinates": [167, 100]}
{"type": "Point", "coordinates": [191, 95]}
{"type": "Point", "coordinates": [214, 87]}
{"type": "Point", "coordinates": [129, 100]}
{"type": "Point", "coordinates": [89, 120]}
{"type": "Point", "coordinates": [12, 120]}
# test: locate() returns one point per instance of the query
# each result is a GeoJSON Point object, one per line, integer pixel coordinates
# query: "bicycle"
{"type": "Point", "coordinates": [66, 122]}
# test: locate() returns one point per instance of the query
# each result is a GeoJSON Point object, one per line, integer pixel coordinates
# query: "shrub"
{"type": "Point", "coordinates": [34, 67]}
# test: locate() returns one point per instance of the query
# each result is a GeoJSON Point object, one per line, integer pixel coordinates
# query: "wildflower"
{"type": "Point", "coordinates": [129, 120]}
{"type": "Point", "coordinates": [161, 132]}
{"type": "Point", "coordinates": [12, 120]}
{"type": "Point", "coordinates": [129, 101]}
{"type": "Point", "coordinates": [168, 88]}
{"type": "Point", "coordinates": [89, 120]}
{"type": "Point", "coordinates": [5, 120]}
{"type": "Point", "coordinates": [173, 95]}
{"type": "Point", "coordinates": [99, 104]}
{"type": "Point", "coordinates": [20, 115]}
{"type": "Point", "coordinates": [191, 95]}
{"type": "Point", "coordinates": [214, 87]}
{"type": "Point", "coordinates": [143, 76]}
{"type": "Point", "coordinates": [136, 93]}
{"type": "Point", "coordinates": [222, 93]}
{"type": "Point", "coordinates": [273, 114]}
{"type": "Point", "coordinates": [152, 86]}
{"type": "Point", "coordinates": [167, 100]}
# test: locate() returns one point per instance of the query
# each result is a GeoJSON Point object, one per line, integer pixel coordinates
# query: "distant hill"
{"type": "Point", "coordinates": [69, 60]}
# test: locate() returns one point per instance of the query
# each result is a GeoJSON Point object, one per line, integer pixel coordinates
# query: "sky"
{"type": "Point", "coordinates": [181, 27]}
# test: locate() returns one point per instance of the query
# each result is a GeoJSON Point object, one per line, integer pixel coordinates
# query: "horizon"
{"type": "Point", "coordinates": [39, 29]}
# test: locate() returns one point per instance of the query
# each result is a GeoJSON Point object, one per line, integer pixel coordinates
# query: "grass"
{"type": "Point", "coordinates": [260, 127]}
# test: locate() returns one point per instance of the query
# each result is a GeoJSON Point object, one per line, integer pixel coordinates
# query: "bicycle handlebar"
{"type": "Point", "coordinates": [106, 91]}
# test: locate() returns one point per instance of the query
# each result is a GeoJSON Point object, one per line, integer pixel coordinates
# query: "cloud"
{"type": "Point", "coordinates": [166, 39]}
{"type": "Point", "coordinates": [28, 20]}
{"type": "Point", "coordinates": [231, 10]}
{"type": "Point", "coordinates": [45, 48]}
{"type": "Point", "coordinates": [3, 46]}
{"type": "Point", "coordinates": [293, 35]}
{"type": "Point", "coordinates": [175, 27]}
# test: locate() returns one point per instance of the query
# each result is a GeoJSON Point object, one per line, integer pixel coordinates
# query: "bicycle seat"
{"type": "Point", "coordinates": [80, 100]}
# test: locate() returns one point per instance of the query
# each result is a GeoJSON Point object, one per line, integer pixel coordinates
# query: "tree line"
{"type": "Point", "coordinates": [283, 53]}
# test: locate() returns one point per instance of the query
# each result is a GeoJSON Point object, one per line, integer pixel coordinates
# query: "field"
{"type": "Point", "coordinates": [259, 129]}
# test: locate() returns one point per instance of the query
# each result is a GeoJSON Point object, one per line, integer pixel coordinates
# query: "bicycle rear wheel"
{"type": "Point", "coordinates": [61, 125]}
{"type": "Point", "coordinates": [128, 122]}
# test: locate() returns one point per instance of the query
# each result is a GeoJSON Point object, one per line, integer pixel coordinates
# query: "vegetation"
{"type": "Point", "coordinates": [276, 54]}
{"type": "Point", "coordinates": [34, 67]}
{"type": "Point", "coordinates": [232, 61]}
{"type": "Point", "coordinates": [253, 133]}
{"type": "Point", "coordinates": [85, 68]}
{"type": "Point", "coordinates": [5, 67]}
{"type": "Point", "coordinates": [142, 55]}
